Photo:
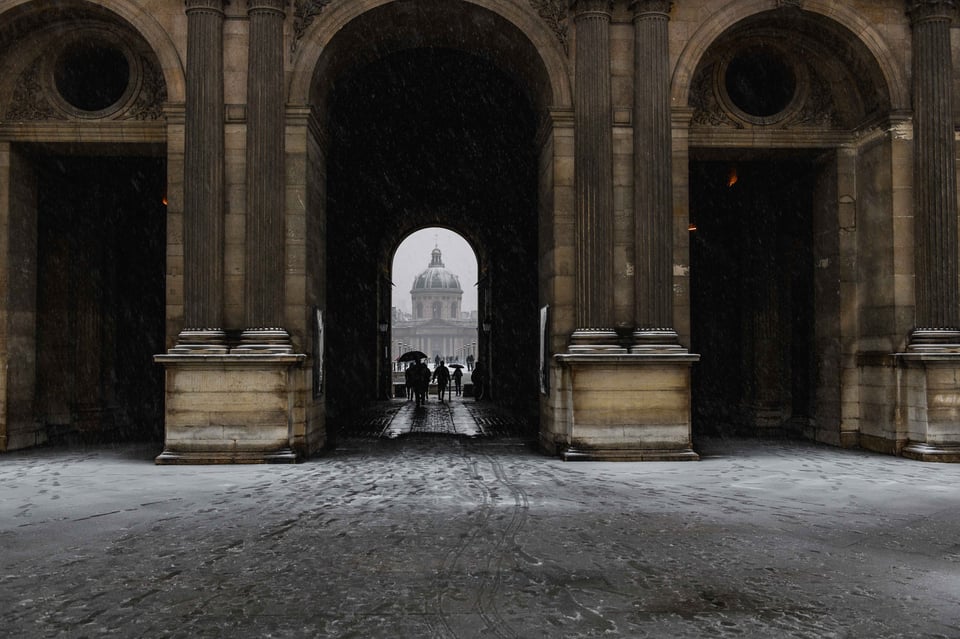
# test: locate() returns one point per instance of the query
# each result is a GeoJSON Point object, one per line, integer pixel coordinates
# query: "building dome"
{"type": "Point", "coordinates": [436, 278]}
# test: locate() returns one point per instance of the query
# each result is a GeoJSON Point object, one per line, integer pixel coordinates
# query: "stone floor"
{"type": "Point", "coordinates": [431, 534]}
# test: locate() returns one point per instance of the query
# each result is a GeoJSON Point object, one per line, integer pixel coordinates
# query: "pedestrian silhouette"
{"type": "Point", "coordinates": [457, 379]}
{"type": "Point", "coordinates": [408, 380]}
{"type": "Point", "coordinates": [442, 377]}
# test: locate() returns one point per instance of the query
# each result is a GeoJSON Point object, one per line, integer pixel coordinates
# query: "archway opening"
{"type": "Point", "coordinates": [429, 137]}
{"type": "Point", "coordinates": [434, 299]}
{"type": "Point", "coordinates": [764, 306]}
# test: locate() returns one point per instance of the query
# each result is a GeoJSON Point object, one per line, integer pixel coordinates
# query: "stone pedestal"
{"type": "Point", "coordinates": [932, 412]}
{"type": "Point", "coordinates": [229, 408]}
{"type": "Point", "coordinates": [626, 407]}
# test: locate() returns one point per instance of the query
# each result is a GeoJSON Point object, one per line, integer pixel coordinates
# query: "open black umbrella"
{"type": "Point", "coordinates": [412, 356]}
{"type": "Point", "coordinates": [455, 365]}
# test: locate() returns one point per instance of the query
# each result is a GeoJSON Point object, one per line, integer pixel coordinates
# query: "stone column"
{"type": "Point", "coordinates": [263, 300]}
{"type": "Point", "coordinates": [931, 365]}
{"type": "Point", "coordinates": [652, 172]}
{"type": "Point", "coordinates": [203, 185]}
{"type": "Point", "coordinates": [593, 179]}
{"type": "Point", "coordinates": [935, 181]}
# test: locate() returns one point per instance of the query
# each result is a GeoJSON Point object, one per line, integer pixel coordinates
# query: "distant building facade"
{"type": "Point", "coordinates": [437, 325]}
{"type": "Point", "coordinates": [697, 216]}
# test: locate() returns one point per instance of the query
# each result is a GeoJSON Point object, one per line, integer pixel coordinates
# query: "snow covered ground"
{"type": "Point", "coordinates": [445, 536]}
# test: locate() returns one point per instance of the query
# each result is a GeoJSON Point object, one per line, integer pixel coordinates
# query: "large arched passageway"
{"type": "Point", "coordinates": [425, 129]}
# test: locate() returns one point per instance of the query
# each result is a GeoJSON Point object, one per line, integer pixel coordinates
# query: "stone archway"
{"type": "Point", "coordinates": [397, 40]}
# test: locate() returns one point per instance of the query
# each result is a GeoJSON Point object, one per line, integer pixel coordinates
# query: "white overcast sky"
{"type": "Point", "coordinates": [413, 257]}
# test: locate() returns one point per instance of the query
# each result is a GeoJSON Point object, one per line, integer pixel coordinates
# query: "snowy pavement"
{"type": "Point", "coordinates": [458, 537]}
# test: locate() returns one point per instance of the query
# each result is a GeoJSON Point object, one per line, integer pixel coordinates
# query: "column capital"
{"type": "Point", "coordinates": [584, 8]}
{"type": "Point", "coordinates": [931, 10]}
{"type": "Point", "coordinates": [267, 6]}
{"type": "Point", "coordinates": [205, 6]}
{"type": "Point", "coordinates": [651, 8]}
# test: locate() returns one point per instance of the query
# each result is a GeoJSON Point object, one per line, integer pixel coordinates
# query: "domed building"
{"type": "Point", "coordinates": [437, 325]}
{"type": "Point", "coordinates": [436, 292]}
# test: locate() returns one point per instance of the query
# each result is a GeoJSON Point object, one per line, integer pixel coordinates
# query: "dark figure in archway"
{"type": "Point", "coordinates": [479, 378]}
{"type": "Point", "coordinates": [457, 379]}
{"type": "Point", "coordinates": [470, 362]}
{"type": "Point", "coordinates": [442, 377]}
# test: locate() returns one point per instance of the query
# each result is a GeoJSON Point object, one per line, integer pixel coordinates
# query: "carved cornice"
{"type": "Point", "coordinates": [304, 13]}
{"type": "Point", "coordinates": [30, 101]}
{"type": "Point", "coordinates": [554, 13]}
{"type": "Point", "coordinates": [34, 99]}
{"type": "Point", "coordinates": [817, 110]}
{"type": "Point", "coordinates": [924, 10]}
{"type": "Point", "coordinates": [150, 100]}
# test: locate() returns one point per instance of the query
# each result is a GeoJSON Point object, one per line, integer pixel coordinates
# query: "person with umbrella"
{"type": "Point", "coordinates": [457, 377]}
{"type": "Point", "coordinates": [419, 374]}
{"type": "Point", "coordinates": [442, 376]}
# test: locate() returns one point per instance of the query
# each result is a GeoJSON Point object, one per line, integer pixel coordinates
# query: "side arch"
{"type": "Point", "coordinates": [859, 27]}
{"type": "Point", "coordinates": [138, 19]}
{"type": "Point", "coordinates": [335, 18]}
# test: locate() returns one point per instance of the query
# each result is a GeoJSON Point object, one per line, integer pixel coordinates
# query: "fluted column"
{"type": "Point", "coordinates": [264, 266]}
{"type": "Point", "coordinates": [593, 179]}
{"type": "Point", "coordinates": [653, 183]}
{"type": "Point", "coordinates": [935, 182]}
{"type": "Point", "coordinates": [203, 181]}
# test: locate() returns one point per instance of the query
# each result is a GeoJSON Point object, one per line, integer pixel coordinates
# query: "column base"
{"type": "Point", "coordinates": [934, 340]}
{"type": "Point", "coordinates": [595, 340]}
{"type": "Point", "coordinates": [264, 340]}
{"type": "Point", "coordinates": [656, 340]}
{"type": "Point", "coordinates": [929, 404]}
{"type": "Point", "coordinates": [197, 341]}
{"type": "Point", "coordinates": [932, 452]}
{"type": "Point", "coordinates": [222, 409]}
{"type": "Point", "coordinates": [624, 407]}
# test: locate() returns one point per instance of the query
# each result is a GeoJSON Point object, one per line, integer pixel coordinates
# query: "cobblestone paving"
{"type": "Point", "coordinates": [458, 537]}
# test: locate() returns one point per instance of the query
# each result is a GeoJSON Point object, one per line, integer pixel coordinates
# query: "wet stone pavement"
{"type": "Point", "coordinates": [438, 535]}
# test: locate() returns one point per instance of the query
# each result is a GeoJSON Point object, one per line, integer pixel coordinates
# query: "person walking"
{"type": "Point", "coordinates": [408, 380]}
{"type": "Point", "coordinates": [442, 376]}
{"type": "Point", "coordinates": [457, 379]}
{"type": "Point", "coordinates": [470, 362]}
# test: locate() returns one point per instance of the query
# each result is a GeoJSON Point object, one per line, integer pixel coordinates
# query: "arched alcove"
{"type": "Point", "coordinates": [781, 101]}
